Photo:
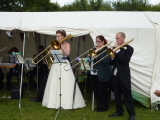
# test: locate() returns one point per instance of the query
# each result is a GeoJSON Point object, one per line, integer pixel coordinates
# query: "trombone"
{"type": "Point", "coordinates": [92, 53]}
{"type": "Point", "coordinates": [56, 45]}
{"type": "Point", "coordinates": [111, 51]}
{"type": "Point", "coordinates": [78, 58]}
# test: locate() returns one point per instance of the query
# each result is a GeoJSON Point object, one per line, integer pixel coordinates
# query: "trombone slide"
{"type": "Point", "coordinates": [55, 45]}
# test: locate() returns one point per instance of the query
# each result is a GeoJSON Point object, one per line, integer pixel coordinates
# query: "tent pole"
{"type": "Point", "coordinates": [21, 72]}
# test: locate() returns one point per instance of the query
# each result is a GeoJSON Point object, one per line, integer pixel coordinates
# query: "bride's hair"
{"type": "Point", "coordinates": [62, 32]}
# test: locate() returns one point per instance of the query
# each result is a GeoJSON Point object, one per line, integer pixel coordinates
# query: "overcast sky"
{"type": "Point", "coordinates": [62, 2]}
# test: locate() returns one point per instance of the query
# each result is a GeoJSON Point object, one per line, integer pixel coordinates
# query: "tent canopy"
{"type": "Point", "coordinates": [143, 26]}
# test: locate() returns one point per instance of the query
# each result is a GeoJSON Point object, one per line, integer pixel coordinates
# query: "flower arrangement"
{"type": "Point", "coordinates": [125, 48]}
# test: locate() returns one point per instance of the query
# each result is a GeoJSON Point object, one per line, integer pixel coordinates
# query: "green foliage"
{"type": "Point", "coordinates": [95, 5]}
{"type": "Point", "coordinates": [10, 5]}
{"type": "Point", "coordinates": [155, 7]}
{"type": "Point", "coordinates": [28, 5]}
{"type": "Point", "coordinates": [106, 6]}
{"type": "Point", "coordinates": [87, 5]}
{"type": "Point", "coordinates": [131, 5]}
{"type": "Point", "coordinates": [39, 5]}
{"type": "Point", "coordinates": [77, 5]}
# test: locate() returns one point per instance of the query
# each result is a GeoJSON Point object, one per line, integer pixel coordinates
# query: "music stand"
{"type": "Point", "coordinates": [20, 60]}
{"type": "Point", "coordinates": [58, 60]}
{"type": "Point", "coordinates": [6, 65]}
{"type": "Point", "coordinates": [86, 67]}
{"type": "Point", "coordinates": [28, 65]}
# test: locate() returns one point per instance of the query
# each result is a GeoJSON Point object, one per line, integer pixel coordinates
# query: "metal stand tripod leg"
{"type": "Point", "coordinates": [85, 90]}
{"type": "Point", "coordinates": [58, 111]}
{"type": "Point", "coordinates": [60, 108]}
{"type": "Point", "coordinates": [4, 84]}
{"type": "Point", "coordinates": [28, 86]}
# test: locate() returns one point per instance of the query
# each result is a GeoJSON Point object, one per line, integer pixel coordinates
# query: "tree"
{"type": "Point", "coordinates": [131, 5]}
{"type": "Point", "coordinates": [28, 5]}
{"type": "Point", "coordinates": [10, 5]}
{"type": "Point", "coordinates": [87, 5]}
{"type": "Point", "coordinates": [95, 5]}
{"type": "Point", "coordinates": [77, 5]}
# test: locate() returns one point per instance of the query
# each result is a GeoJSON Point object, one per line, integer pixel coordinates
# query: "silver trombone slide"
{"type": "Point", "coordinates": [98, 61]}
{"type": "Point", "coordinates": [85, 53]}
{"type": "Point", "coordinates": [109, 51]}
{"type": "Point", "coordinates": [97, 56]}
{"type": "Point", "coordinates": [101, 52]}
{"type": "Point", "coordinates": [76, 59]}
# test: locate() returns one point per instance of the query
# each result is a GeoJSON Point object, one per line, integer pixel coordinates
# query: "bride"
{"type": "Point", "coordinates": [64, 81]}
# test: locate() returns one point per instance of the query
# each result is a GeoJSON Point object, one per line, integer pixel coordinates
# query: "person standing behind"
{"type": "Point", "coordinates": [157, 93]}
{"type": "Point", "coordinates": [1, 78]}
{"type": "Point", "coordinates": [13, 71]}
{"type": "Point", "coordinates": [60, 85]}
{"type": "Point", "coordinates": [42, 70]}
{"type": "Point", "coordinates": [121, 78]}
{"type": "Point", "coordinates": [99, 79]}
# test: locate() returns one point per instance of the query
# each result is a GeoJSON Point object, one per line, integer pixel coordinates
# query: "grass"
{"type": "Point", "coordinates": [9, 109]}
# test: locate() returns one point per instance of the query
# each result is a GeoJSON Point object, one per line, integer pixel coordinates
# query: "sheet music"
{"type": "Point", "coordinates": [13, 59]}
{"type": "Point", "coordinates": [28, 63]}
{"type": "Point", "coordinates": [56, 55]}
{"type": "Point", "coordinates": [20, 59]}
{"type": "Point", "coordinates": [84, 64]}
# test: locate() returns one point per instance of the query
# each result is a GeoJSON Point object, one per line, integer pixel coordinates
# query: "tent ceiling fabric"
{"type": "Point", "coordinates": [143, 26]}
{"type": "Point", "coordinates": [48, 21]}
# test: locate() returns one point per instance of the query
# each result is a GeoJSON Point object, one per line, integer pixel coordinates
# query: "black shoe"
{"type": "Point", "coordinates": [131, 118]}
{"type": "Point", "coordinates": [116, 114]}
{"type": "Point", "coordinates": [35, 99]}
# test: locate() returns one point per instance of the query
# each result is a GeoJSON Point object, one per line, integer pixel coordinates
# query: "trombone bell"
{"type": "Point", "coordinates": [49, 61]}
{"type": "Point", "coordinates": [55, 45]}
{"type": "Point", "coordinates": [92, 53]}
{"type": "Point", "coordinates": [110, 52]}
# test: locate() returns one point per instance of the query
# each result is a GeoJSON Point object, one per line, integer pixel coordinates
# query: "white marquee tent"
{"type": "Point", "coordinates": [143, 26]}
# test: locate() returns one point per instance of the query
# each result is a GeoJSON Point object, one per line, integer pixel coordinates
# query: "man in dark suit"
{"type": "Point", "coordinates": [121, 78]}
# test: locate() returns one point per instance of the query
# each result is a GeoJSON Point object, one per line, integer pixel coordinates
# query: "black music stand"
{"type": "Point", "coordinates": [86, 67]}
{"type": "Point", "coordinates": [28, 65]}
{"type": "Point", "coordinates": [20, 60]}
{"type": "Point", "coordinates": [59, 60]}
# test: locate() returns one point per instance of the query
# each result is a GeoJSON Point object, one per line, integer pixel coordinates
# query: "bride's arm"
{"type": "Point", "coordinates": [66, 48]}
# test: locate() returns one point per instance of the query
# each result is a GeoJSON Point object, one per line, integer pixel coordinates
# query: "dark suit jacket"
{"type": "Point", "coordinates": [121, 62]}
{"type": "Point", "coordinates": [103, 68]}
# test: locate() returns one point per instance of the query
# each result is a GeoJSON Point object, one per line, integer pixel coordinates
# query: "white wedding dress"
{"type": "Point", "coordinates": [51, 98]}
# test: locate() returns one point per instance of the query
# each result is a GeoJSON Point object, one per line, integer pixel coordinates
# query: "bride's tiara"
{"type": "Point", "coordinates": [61, 30]}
